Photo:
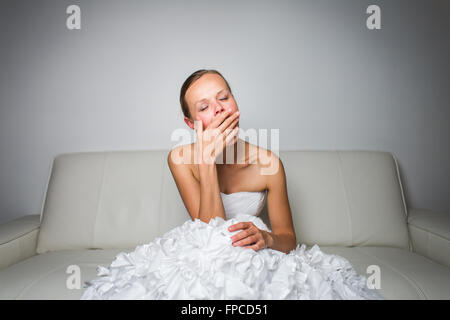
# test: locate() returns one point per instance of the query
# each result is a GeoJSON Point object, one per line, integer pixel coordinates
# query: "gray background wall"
{"type": "Point", "coordinates": [310, 68]}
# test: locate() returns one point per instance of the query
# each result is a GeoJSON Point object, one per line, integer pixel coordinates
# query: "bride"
{"type": "Point", "coordinates": [225, 251]}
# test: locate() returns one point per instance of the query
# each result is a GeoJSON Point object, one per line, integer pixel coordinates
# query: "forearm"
{"type": "Point", "coordinates": [281, 242]}
{"type": "Point", "coordinates": [211, 205]}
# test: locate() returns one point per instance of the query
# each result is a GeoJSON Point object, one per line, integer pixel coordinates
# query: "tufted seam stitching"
{"type": "Point", "coordinates": [429, 231]}
{"type": "Point", "coordinates": [346, 197]}
{"type": "Point", "coordinates": [105, 158]}
{"type": "Point", "coordinates": [20, 236]}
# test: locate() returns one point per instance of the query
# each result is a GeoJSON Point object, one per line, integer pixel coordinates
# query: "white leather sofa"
{"type": "Point", "coordinates": [98, 204]}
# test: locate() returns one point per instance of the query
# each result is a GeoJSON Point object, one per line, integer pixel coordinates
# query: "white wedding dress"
{"type": "Point", "coordinates": [197, 261]}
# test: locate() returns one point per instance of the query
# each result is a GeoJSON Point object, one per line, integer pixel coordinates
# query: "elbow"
{"type": "Point", "coordinates": [292, 243]}
{"type": "Point", "coordinates": [201, 218]}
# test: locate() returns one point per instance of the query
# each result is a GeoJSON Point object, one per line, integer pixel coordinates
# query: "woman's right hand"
{"type": "Point", "coordinates": [211, 141]}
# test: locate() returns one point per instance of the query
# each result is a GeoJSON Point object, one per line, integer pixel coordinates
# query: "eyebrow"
{"type": "Point", "coordinates": [205, 99]}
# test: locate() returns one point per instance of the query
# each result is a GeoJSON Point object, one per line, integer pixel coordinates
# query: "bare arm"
{"type": "Point", "coordinates": [187, 184]}
{"type": "Point", "coordinates": [201, 199]}
{"type": "Point", "coordinates": [211, 205]}
{"type": "Point", "coordinates": [282, 237]}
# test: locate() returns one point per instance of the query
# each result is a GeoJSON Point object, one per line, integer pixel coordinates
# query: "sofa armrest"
{"type": "Point", "coordinates": [18, 239]}
{"type": "Point", "coordinates": [430, 234]}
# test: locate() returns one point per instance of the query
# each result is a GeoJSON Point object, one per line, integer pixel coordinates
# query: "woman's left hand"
{"type": "Point", "coordinates": [250, 237]}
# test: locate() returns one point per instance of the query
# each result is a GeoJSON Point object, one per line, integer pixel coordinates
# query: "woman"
{"type": "Point", "coordinates": [207, 98]}
{"type": "Point", "coordinates": [225, 251]}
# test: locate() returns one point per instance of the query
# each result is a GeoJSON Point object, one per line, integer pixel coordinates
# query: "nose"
{"type": "Point", "coordinates": [219, 109]}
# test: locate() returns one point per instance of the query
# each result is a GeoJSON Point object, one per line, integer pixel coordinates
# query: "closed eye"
{"type": "Point", "coordinates": [223, 99]}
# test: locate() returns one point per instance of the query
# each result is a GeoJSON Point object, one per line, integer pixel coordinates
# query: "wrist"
{"type": "Point", "coordinates": [269, 239]}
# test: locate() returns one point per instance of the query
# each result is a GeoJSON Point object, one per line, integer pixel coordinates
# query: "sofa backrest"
{"type": "Point", "coordinates": [346, 198]}
{"type": "Point", "coordinates": [121, 199]}
{"type": "Point", "coordinates": [117, 199]}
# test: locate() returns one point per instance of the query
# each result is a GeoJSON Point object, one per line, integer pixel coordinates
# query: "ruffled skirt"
{"type": "Point", "coordinates": [197, 261]}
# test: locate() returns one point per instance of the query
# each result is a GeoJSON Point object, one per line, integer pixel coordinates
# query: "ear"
{"type": "Point", "coordinates": [189, 122]}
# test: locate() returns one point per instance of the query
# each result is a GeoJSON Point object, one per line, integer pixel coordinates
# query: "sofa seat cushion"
{"type": "Point", "coordinates": [404, 274]}
{"type": "Point", "coordinates": [44, 276]}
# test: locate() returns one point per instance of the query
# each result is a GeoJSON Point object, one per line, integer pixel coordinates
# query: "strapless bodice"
{"type": "Point", "coordinates": [243, 202]}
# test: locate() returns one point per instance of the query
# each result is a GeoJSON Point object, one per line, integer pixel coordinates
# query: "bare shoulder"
{"type": "Point", "coordinates": [183, 153]}
{"type": "Point", "coordinates": [267, 161]}
{"type": "Point", "coordinates": [181, 156]}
